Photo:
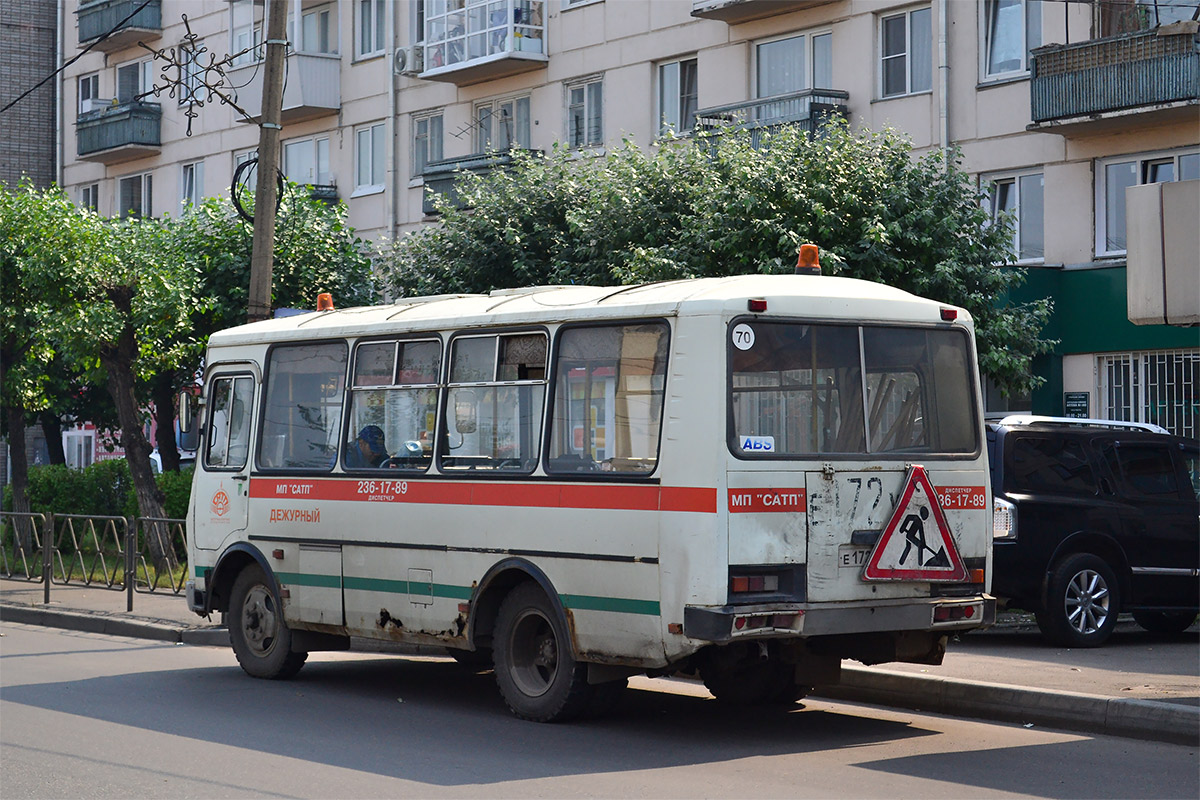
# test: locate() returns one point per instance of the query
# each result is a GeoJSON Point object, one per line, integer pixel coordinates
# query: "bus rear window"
{"type": "Point", "coordinates": [797, 389]}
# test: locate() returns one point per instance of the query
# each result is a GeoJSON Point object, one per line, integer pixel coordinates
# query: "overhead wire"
{"type": "Point", "coordinates": [81, 54]}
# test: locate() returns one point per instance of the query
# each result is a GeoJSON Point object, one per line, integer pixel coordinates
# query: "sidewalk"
{"type": "Point", "coordinates": [1138, 685]}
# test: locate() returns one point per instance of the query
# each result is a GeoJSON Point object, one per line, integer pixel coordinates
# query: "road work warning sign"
{"type": "Point", "coordinates": [916, 544]}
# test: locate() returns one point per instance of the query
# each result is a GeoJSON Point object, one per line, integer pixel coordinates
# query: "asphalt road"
{"type": "Point", "coordinates": [89, 715]}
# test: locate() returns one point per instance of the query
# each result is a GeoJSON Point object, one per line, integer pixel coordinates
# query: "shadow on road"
{"type": "Point", "coordinates": [438, 723]}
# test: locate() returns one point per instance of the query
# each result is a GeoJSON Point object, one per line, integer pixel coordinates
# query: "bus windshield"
{"type": "Point", "coordinates": [797, 390]}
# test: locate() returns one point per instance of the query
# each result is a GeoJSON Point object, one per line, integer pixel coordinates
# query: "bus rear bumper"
{"type": "Point", "coordinates": [775, 620]}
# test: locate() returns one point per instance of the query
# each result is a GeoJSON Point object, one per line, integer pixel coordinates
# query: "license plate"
{"type": "Point", "coordinates": [852, 556]}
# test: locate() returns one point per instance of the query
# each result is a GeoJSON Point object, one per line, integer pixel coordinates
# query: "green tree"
{"type": "Point", "coordinates": [720, 206]}
{"type": "Point", "coordinates": [315, 251]}
{"type": "Point", "coordinates": [115, 304]}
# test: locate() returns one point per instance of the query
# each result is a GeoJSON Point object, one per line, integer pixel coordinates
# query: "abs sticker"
{"type": "Point", "coordinates": [743, 336]}
{"type": "Point", "coordinates": [757, 444]}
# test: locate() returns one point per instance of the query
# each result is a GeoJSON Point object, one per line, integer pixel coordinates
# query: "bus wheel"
{"type": "Point", "coordinates": [536, 671]}
{"type": "Point", "coordinates": [260, 639]}
{"type": "Point", "coordinates": [738, 676]}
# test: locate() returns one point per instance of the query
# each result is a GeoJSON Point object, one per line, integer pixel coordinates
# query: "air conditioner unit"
{"type": "Point", "coordinates": [409, 60]}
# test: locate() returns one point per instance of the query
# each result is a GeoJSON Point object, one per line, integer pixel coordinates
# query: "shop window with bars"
{"type": "Point", "coordinates": [1160, 387]}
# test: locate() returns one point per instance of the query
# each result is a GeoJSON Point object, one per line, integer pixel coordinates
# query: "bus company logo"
{"type": "Point", "coordinates": [220, 503]}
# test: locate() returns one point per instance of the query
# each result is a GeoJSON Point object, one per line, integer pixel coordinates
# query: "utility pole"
{"type": "Point", "coordinates": [266, 197]}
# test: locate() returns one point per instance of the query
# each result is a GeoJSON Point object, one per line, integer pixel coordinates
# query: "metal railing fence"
{"type": "Point", "coordinates": [128, 554]}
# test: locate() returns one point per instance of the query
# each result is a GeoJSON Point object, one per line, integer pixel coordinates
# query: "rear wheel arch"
{"type": "Point", "coordinates": [497, 582]}
{"type": "Point", "coordinates": [1099, 545]}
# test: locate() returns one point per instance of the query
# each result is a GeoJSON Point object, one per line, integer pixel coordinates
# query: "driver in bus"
{"type": "Point", "coordinates": [368, 451]}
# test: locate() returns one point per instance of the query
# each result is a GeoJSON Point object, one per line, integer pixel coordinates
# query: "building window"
{"type": "Point", "coordinates": [906, 56]}
{"type": "Point", "coordinates": [677, 92]}
{"type": "Point", "coordinates": [370, 16]}
{"type": "Point", "coordinates": [134, 196]}
{"type": "Point", "coordinates": [585, 113]}
{"type": "Point", "coordinates": [246, 31]}
{"type": "Point", "coordinates": [1115, 175]}
{"type": "Point", "coordinates": [1160, 387]}
{"type": "Point", "coordinates": [318, 31]}
{"type": "Point", "coordinates": [249, 178]}
{"type": "Point", "coordinates": [89, 197]}
{"type": "Point", "coordinates": [89, 93]}
{"type": "Point", "coordinates": [1129, 16]}
{"type": "Point", "coordinates": [1011, 28]}
{"type": "Point", "coordinates": [192, 72]}
{"type": "Point", "coordinates": [191, 186]}
{"type": "Point", "coordinates": [427, 141]}
{"type": "Point", "coordinates": [306, 161]}
{"type": "Point", "coordinates": [134, 81]}
{"type": "Point", "coordinates": [369, 150]}
{"type": "Point", "coordinates": [794, 64]}
{"type": "Point", "coordinates": [1021, 198]}
{"type": "Point", "coordinates": [501, 124]}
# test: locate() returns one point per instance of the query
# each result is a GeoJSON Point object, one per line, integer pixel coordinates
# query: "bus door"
{"type": "Point", "coordinates": [222, 484]}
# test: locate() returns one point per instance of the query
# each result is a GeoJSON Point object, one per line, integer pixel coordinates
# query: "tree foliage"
{"type": "Point", "coordinates": [724, 205]}
{"type": "Point", "coordinates": [128, 305]}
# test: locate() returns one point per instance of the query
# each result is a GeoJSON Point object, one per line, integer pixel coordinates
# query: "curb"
{"type": "Point", "coordinates": [1141, 719]}
{"type": "Point", "coordinates": [1114, 716]}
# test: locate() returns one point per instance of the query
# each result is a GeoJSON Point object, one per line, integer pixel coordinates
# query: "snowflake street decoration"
{"type": "Point", "coordinates": [193, 74]}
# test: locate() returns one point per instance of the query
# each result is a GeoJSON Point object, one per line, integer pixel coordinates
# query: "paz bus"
{"type": "Point", "coordinates": [745, 479]}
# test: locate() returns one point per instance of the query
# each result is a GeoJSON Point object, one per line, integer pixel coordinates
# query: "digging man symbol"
{"type": "Point", "coordinates": [913, 528]}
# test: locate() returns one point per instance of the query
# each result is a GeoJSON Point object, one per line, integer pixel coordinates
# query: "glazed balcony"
{"type": "Point", "coordinates": [1126, 81]}
{"type": "Point", "coordinates": [98, 17]}
{"type": "Point", "coordinates": [441, 177]}
{"type": "Point", "coordinates": [808, 110]}
{"type": "Point", "coordinates": [120, 132]}
{"type": "Point", "coordinates": [737, 11]}
{"type": "Point", "coordinates": [480, 41]}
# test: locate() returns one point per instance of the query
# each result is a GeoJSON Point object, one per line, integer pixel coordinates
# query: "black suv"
{"type": "Point", "coordinates": [1092, 518]}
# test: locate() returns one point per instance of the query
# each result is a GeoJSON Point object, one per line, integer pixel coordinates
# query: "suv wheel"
{"type": "Point", "coordinates": [1082, 602]}
{"type": "Point", "coordinates": [1165, 621]}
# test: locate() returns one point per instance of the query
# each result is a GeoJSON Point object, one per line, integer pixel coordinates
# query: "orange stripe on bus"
{"type": "Point", "coordinates": [520, 495]}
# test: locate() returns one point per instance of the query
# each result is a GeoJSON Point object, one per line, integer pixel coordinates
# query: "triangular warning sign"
{"type": "Point", "coordinates": [916, 545]}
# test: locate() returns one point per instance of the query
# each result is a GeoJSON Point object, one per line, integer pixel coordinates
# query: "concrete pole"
{"type": "Point", "coordinates": [266, 197]}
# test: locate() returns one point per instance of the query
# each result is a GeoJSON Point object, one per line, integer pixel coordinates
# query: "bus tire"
{"type": "Point", "coordinates": [536, 671]}
{"type": "Point", "coordinates": [261, 641]}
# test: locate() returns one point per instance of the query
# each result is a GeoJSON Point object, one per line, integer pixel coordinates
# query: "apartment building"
{"type": "Point", "coordinates": [1059, 107]}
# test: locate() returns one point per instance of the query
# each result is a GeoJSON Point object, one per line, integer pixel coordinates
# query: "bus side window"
{"type": "Point", "coordinates": [608, 399]}
{"type": "Point", "coordinates": [394, 392]}
{"type": "Point", "coordinates": [495, 397]}
{"type": "Point", "coordinates": [302, 412]}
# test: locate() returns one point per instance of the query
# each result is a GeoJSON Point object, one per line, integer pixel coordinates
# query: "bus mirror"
{"type": "Point", "coordinates": [465, 420]}
{"type": "Point", "coordinates": [187, 412]}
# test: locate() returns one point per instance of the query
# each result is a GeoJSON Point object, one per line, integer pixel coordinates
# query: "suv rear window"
{"type": "Point", "coordinates": [1047, 464]}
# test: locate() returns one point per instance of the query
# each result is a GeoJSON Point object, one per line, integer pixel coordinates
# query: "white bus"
{"type": "Point", "coordinates": [746, 478]}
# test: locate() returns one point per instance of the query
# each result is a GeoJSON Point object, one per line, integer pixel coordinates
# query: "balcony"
{"type": "Point", "coordinates": [485, 41]}
{"type": "Point", "coordinates": [442, 176]}
{"type": "Point", "coordinates": [808, 110]}
{"type": "Point", "coordinates": [98, 17]}
{"type": "Point", "coordinates": [119, 132]}
{"type": "Point", "coordinates": [313, 88]}
{"type": "Point", "coordinates": [738, 11]}
{"type": "Point", "coordinates": [1094, 86]}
